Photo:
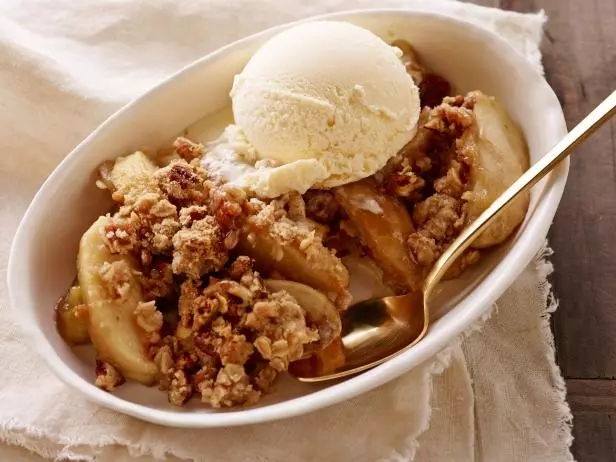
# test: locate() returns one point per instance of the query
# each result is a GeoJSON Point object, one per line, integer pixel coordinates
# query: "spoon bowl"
{"type": "Point", "coordinates": [375, 330]}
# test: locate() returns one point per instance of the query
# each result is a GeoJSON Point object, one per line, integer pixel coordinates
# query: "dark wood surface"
{"type": "Point", "coordinates": [579, 56]}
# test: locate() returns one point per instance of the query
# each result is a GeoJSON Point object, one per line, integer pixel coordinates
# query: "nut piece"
{"type": "Point", "coordinates": [108, 377]}
{"type": "Point", "coordinates": [180, 390]}
{"type": "Point", "coordinates": [199, 249]}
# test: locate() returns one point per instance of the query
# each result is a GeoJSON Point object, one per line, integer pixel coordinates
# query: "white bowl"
{"type": "Point", "coordinates": [42, 261]}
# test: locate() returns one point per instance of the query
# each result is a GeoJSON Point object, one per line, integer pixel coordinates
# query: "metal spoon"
{"type": "Point", "coordinates": [375, 331]}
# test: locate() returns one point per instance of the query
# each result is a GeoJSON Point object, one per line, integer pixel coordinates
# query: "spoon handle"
{"type": "Point", "coordinates": [536, 172]}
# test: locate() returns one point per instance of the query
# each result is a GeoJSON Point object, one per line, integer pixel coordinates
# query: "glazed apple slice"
{"type": "Point", "coordinates": [383, 225]}
{"type": "Point", "coordinates": [282, 248]}
{"type": "Point", "coordinates": [113, 329]}
{"type": "Point", "coordinates": [72, 318]}
{"type": "Point", "coordinates": [320, 311]}
{"type": "Point", "coordinates": [501, 156]}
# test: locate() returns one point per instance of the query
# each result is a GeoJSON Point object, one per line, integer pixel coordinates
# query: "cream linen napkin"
{"type": "Point", "coordinates": [65, 66]}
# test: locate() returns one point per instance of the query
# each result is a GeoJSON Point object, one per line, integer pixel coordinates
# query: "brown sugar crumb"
{"type": "Point", "coordinates": [240, 266]}
{"type": "Point", "coordinates": [264, 379]}
{"type": "Point", "coordinates": [121, 236]}
{"type": "Point", "coordinates": [440, 219]}
{"type": "Point", "coordinates": [164, 360]}
{"type": "Point", "coordinates": [405, 183]}
{"type": "Point", "coordinates": [160, 235]}
{"type": "Point", "coordinates": [192, 213]}
{"type": "Point", "coordinates": [439, 215]}
{"type": "Point", "coordinates": [108, 377]}
{"type": "Point", "coordinates": [296, 207]}
{"type": "Point", "coordinates": [431, 174]}
{"type": "Point", "coordinates": [452, 117]}
{"type": "Point", "coordinates": [235, 350]}
{"type": "Point", "coordinates": [199, 249]}
{"type": "Point", "coordinates": [157, 281]}
{"type": "Point", "coordinates": [150, 320]}
{"type": "Point", "coordinates": [424, 249]}
{"type": "Point", "coordinates": [151, 207]}
{"type": "Point", "coordinates": [453, 183]}
{"type": "Point", "coordinates": [228, 205]}
{"type": "Point", "coordinates": [183, 182]}
{"type": "Point", "coordinates": [188, 150]}
{"type": "Point", "coordinates": [116, 277]}
{"type": "Point", "coordinates": [195, 310]}
{"type": "Point", "coordinates": [277, 320]}
{"type": "Point", "coordinates": [231, 387]}
{"type": "Point", "coordinates": [180, 389]}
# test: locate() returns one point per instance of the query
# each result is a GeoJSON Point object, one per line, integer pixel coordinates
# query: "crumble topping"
{"type": "Point", "coordinates": [157, 278]}
{"type": "Point", "coordinates": [200, 249]}
{"type": "Point", "coordinates": [107, 377]}
{"type": "Point", "coordinates": [188, 150]}
{"type": "Point", "coordinates": [232, 339]}
{"type": "Point", "coordinates": [116, 277]}
{"type": "Point", "coordinates": [150, 320]}
{"type": "Point", "coordinates": [438, 157]}
{"type": "Point", "coordinates": [182, 182]}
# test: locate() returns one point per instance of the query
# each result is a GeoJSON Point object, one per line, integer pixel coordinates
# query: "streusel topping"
{"type": "Point", "coordinates": [229, 337]}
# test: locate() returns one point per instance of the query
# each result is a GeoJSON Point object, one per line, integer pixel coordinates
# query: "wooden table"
{"type": "Point", "coordinates": [579, 55]}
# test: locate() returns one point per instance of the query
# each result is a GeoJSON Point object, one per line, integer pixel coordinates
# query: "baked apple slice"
{"type": "Point", "coordinates": [501, 157]}
{"type": "Point", "coordinates": [383, 225]}
{"type": "Point", "coordinates": [112, 293]}
{"type": "Point", "coordinates": [296, 252]}
{"type": "Point", "coordinates": [72, 318]}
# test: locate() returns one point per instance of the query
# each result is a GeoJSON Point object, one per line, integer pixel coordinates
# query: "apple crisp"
{"type": "Point", "coordinates": [211, 292]}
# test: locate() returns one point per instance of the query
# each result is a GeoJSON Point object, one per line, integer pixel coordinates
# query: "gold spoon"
{"type": "Point", "coordinates": [375, 331]}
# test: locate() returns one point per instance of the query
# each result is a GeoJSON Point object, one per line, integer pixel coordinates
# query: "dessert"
{"type": "Point", "coordinates": [226, 264]}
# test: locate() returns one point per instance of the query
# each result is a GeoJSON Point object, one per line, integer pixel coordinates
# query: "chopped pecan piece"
{"type": "Point", "coordinates": [108, 377]}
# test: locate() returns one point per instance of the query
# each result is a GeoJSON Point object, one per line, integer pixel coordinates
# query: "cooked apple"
{"type": "Point", "coordinates": [383, 225]}
{"type": "Point", "coordinates": [72, 318]}
{"type": "Point", "coordinates": [113, 329]}
{"type": "Point", "coordinates": [314, 265]}
{"type": "Point", "coordinates": [501, 156]}
{"type": "Point", "coordinates": [320, 311]}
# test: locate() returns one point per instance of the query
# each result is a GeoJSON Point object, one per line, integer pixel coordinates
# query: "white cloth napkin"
{"type": "Point", "coordinates": [496, 395]}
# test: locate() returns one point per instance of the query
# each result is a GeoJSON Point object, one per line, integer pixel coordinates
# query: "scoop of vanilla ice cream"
{"type": "Point", "coordinates": [327, 97]}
